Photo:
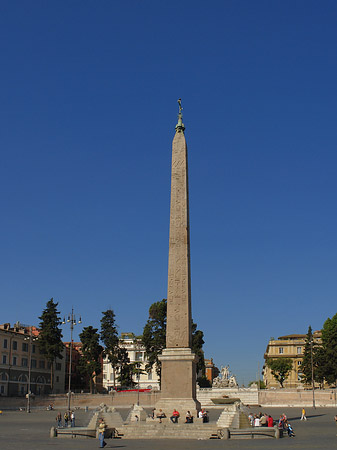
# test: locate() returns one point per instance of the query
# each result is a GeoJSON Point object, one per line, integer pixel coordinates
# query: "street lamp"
{"type": "Point", "coordinates": [29, 338]}
{"type": "Point", "coordinates": [312, 374]}
{"type": "Point", "coordinates": [72, 320]}
{"type": "Point", "coordinates": [138, 374]}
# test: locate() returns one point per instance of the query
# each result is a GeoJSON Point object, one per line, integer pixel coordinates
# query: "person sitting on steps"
{"type": "Point", "coordinates": [175, 416]}
{"type": "Point", "coordinates": [161, 415]}
{"type": "Point", "coordinates": [189, 417]}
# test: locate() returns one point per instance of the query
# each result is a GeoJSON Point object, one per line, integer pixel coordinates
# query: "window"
{"type": "Point", "coordinates": [15, 359]}
{"type": "Point", "coordinates": [33, 348]}
{"type": "Point", "coordinates": [42, 364]}
{"type": "Point", "coordinates": [299, 350]}
{"type": "Point", "coordinates": [15, 345]}
{"type": "Point", "coordinates": [299, 363]}
{"type": "Point", "coordinates": [4, 359]}
{"type": "Point", "coordinates": [24, 362]}
{"type": "Point", "coordinates": [3, 377]}
{"type": "Point", "coordinates": [111, 376]}
{"type": "Point", "coordinates": [58, 366]}
{"type": "Point", "coordinates": [104, 376]}
{"type": "Point", "coordinates": [299, 377]}
{"type": "Point", "coordinates": [149, 376]}
{"type": "Point", "coordinates": [33, 363]}
{"type": "Point", "coordinates": [57, 378]}
{"type": "Point", "coordinates": [139, 356]}
{"type": "Point", "coordinates": [280, 350]}
{"type": "Point", "coordinates": [5, 343]}
{"type": "Point", "coordinates": [24, 347]}
{"type": "Point", "coordinates": [2, 389]}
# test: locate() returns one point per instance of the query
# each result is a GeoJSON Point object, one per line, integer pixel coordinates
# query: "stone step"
{"type": "Point", "coordinates": [167, 431]}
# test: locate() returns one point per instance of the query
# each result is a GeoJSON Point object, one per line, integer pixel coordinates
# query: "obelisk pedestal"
{"type": "Point", "coordinates": [178, 374]}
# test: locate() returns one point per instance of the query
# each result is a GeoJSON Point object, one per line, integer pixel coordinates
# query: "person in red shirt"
{"type": "Point", "coordinates": [270, 421]}
{"type": "Point", "coordinates": [175, 416]}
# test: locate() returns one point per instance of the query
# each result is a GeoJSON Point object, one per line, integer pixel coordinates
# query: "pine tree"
{"type": "Point", "coordinates": [109, 337]}
{"type": "Point", "coordinates": [306, 369]}
{"type": "Point", "coordinates": [329, 341]}
{"type": "Point", "coordinates": [50, 336]}
{"type": "Point", "coordinates": [126, 369]}
{"type": "Point", "coordinates": [90, 361]}
{"type": "Point", "coordinates": [197, 343]}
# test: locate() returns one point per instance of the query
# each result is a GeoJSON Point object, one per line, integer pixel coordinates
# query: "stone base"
{"type": "Point", "coordinates": [182, 405]}
{"type": "Point", "coordinates": [178, 383]}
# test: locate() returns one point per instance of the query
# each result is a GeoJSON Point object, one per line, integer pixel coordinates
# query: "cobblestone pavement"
{"type": "Point", "coordinates": [19, 430]}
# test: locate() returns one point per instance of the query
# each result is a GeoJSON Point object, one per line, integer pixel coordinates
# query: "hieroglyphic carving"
{"type": "Point", "coordinates": [178, 332]}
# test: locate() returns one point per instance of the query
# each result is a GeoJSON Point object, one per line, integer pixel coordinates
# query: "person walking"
{"type": "Point", "coordinates": [66, 419]}
{"type": "Point", "coordinates": [101, 431]}
{"type": "Point", "coordinates": [59, 420]}
{"type": "Point", "coordinates": [72, 418]}
{"type": "Point", "coordinates": [303, 416]}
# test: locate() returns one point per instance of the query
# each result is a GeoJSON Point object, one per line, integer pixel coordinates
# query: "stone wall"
{"type": "Point", "coordinates": [297, 397]}
{"type": "Point", "coordinates": [248, 396]}
{"type": "Point", "coordinates": [264, 397]}
{"type": "Point", "coordinates": [121, 399]}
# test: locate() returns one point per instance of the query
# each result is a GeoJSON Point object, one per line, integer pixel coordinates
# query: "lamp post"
{"type": "Point", "coordinates": [312, 375]}
{"type": "Point", "coordinates": [72, 320]}
{"type": "Point", "coordinates": [138, 374]}
{"type": "Point", "coordinates": [29, 338]}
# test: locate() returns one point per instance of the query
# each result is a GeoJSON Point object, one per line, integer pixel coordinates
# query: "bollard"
{"type": "Point", "coordinates": [224, 433]}
{"type": "Point", "coordinates": [53, 432]}
{"type": "Point", "coordinates": [277, 433]}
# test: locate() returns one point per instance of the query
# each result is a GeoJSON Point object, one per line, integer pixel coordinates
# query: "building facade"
{"type": "Point", "coordinates": [211, 371]}
{"type": "Point", "coordinates": [292, 347]}
{"type": "Point", "coordinates": [136, 353]}
{"type": "Point", "coordinates": [22, 366]}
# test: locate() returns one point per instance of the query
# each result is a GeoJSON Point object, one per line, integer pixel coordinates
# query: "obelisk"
{"type": "Point", "coordinates": [178, 374]}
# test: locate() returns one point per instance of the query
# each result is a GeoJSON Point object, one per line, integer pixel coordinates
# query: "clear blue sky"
{"type": "Point", "coordinates": [88, 106]}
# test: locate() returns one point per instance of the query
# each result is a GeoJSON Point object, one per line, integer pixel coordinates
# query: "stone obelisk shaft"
{"type": "Point", "coordinates": [178, 330]}
{"type": "Point", "coordinates": [178, 374]}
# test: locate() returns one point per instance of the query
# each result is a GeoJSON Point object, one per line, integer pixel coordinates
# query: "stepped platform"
{"type": "Point", "coordinates": [232, 424]}
{"type": "Point", "coordinates": [167, 430]}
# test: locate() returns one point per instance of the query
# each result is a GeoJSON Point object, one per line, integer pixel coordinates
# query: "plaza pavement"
{"type": "Point", "coordinates": [19, 430]}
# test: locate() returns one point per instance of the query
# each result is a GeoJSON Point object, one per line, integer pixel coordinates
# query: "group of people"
{"type": "Point", "coordinates": [283, 424]}
{"type": "Point", "coordinates": [261, 420]}
{"type": "Point", "coordinates": [69, 416]}
{"type": "Point", "coordinates": [266, 420]}
{"type": "Point", "coordinates": [202, 414]}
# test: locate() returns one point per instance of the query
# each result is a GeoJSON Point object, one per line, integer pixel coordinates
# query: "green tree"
{"type": "Point", "coordinates": [50, 336]}
{"type": "Point", "coordinates": [319, 365]}
{"type": "Point", "coordinates": [109, 337]}
{"type": "Point", "coordinates": [318, 360]}
{"type": "Point", "coordinates": [154, 335]}
{"type": "Point", "coordinates": [329, 341]}
{"type": "Point", "coordinates": [126, 370]}
{"type": "Point", "coordinates": [203, 382]}
{"type": "Point", "coordinates": [280, 368]}
{"type": "Point", "coordinates": [154, 338]}
{"type": "Point", "coordinates": [306, 361]}
{"type": "Point", "coordinates": [197, 343]}
{"type": "Point", "coordinates": [90, 361]}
